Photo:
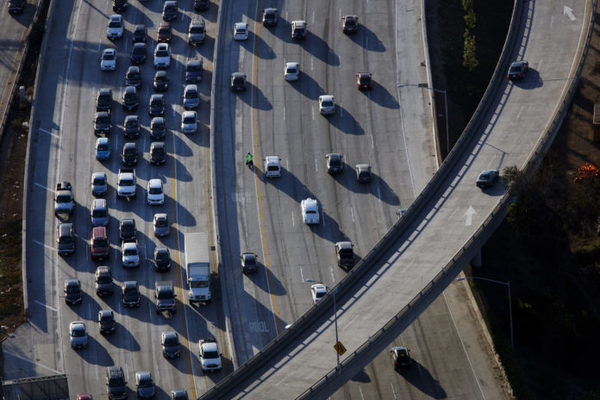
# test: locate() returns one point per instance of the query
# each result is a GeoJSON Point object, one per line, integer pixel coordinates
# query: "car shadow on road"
{"type": "Point", "coordinates": [121, 338]}
{"type": "Point", "coordinates": [381, 96]}
{"type": "Point", "coordinates": [378, 187]}
{"type": "Point", "coordinates": [307, 86]}
{"type": "Point", "coordinates": [263, 50]}
{"type": "Point", "coordinates": [344, 121]}
{"type": "Point", "coordinates": [421, 378]}
{"type": "Point", "coordinates": [262, 102]}
{"type": "Point", "coordinates": [101, 356]}
{"type": "Point", "coordinates": [533, 80]}
{"type": "Point", "coordinates": [265, 280]}
{"type": "Point", "coordinates": [312, 43]}
{"type": "Point", "coordinates": [368, 39]}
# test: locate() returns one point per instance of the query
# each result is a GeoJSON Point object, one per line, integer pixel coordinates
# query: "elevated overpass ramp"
{"type": "Point", "coordinates": [514, 125]}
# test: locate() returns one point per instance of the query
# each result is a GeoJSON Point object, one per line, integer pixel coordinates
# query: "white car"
{"type": "Point", "coordinates": [188, 122]}
{"type": "Point", "coordinates": [130, 256]}
{"type": "Point", "coordinates": [317, 291]}
{"type": "Point", "coordinates": [310, 211]}
{"type": "Point", "coordinates": [78, 334]}
{"type": "Point", "coordinates": [115, 27]}
{"type": "Point", "coordinates": [326, 104]}
{"type": "Point", "coordinates": [272, 166]}
{"type": "Point", "coordinates": [156, 194]}
{"type": "Point", "coordinates": [162, 56]}
{"type": "Point", "coordinates": [108, 60]}
{"type": "Point", "coordinates": [240, 31]}
{"type": "Point", "coordinates": [291, 71]}
{"type": "Point", "coordinates": [210, 359]}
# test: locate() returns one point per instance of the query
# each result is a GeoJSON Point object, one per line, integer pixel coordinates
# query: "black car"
{"type": "Point", "coordinates": [248, 261]}
{"type": "Point", "coordinates": [269, 17]}
{"type": "Point", "coordinates": [487, 178]}
{"type": "Point", "coordinates": [401, 357]}
{"type": "Point", "coordinates": [518, 70]}
{"type": "Point", "coordinates": [119, 6]}
{"type": "Point", "coordinates": [104, 100]}
{"type": "Point", "coordinates": [238, 81]}
{"type": "Point", "coordinates": [106, 320]}
{"type": "Point", "coordinates": [201, 5]}
{"type": "Point", "coordinates": [139, 34]}
{"type": "Point", "coordinates": [158, 129]}
{"type": "Point", "coordinates": [193, 71]}
{"type": "Point", "coordinates": [162, 259]}
{"type": "Point", "coordinates": [131, 126]}
{"type": "Point", "coordinates": [65, 239]}
{"type": "Point", "coordinates": [156, 106]}
{"type": "Point", "coordinates": [161, 81]}
{"type": "Point", "coordinates": [131, 294]}
{"type": "Point", "coordinates": [179, 394]}
{"type": "Point", "coordinates": [16, 6]}
{"type": "Point", "coordinates": [170, 11]}
{"type": "Point", "coordinates": [131, 100]}
{"type": "Point", "coordinates": [133, 76]}
{"type": "Point", "coordinates": [169, 341]}
{"type": "Point", "coordinates": [158, 154]}
{"type": "Point", "coordinates": [349, 23]}
{"type": "Point", "coordinates": [127, 229]}
{"type": "Point", "coordinates": [138, 53]}
{"type": "Point", "coordinates": [129, 156]}
{"type": "Point", "coordinates": [116, 386]}
{"type": "Point", "coordinates": [335, 163]}
{"type": "Point", "coordinates": [72, 291]}
{"type": "Point", "coordinates": [104, 281]}
{"type": "Point", "coordinates": [102, 123]}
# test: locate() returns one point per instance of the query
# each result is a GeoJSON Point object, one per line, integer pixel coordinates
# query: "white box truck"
{"type": "Point", "coordinates": [197, 267]}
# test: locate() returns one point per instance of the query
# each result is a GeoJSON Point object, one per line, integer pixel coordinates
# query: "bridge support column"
{"type": "Point", "coordinates": [476, 261]}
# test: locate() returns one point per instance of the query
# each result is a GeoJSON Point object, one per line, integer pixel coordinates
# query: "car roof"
{"type": "Point", "coordinates": [272, 159]}
{"type": "Point", "coordinates": [132, 118]}
{"type": "Point", "coordinates": [129, 284]}
{"type": "Point", "coordinates": [102, 114]}
{"type": "Point", "coordinates": [325, 97]}
{"type": "Point", "coordinates": [363, 166]}
{"type": "Point", "coordinates": [299, 22]}
{"type": "Point", "coordinates": [189, 114]}
{"type": "Point", "coordinates": [319, 287]}
{"type": "Point", "coordinates": [241, 25]}
{"type": "Point", "coordinates": [134, 68]}
{"type": "Point", "coordinates": [160, 216]}
{"type": "Point", "coordinates": [105, 91]}
{"type": "Point", "coordinates": [161, 72]}
{"type": "Point", "coordinates": [310, 203]}
{"type": "Point", "coordinates": [99, 175]}
{"type": "Point", "coordinates": [292, 64]}
{"type": "Point", "coordinates": [344, 245]}
{"type": "Point", "coordinates": [99, 231]}
{"type": "Point", "coordinates": [170, 334]}
{"type": "Point", "coordinates": [143, 375]}
{"type": "Point", "coordinates": [99, 203]}
{"type": "Point", "coordinates": [157, 96]}
{"type": "Point", "coordinates": [270, 9]}
{"type": "Point", "coordinates": [191, 86]}
{"type": "Point", "coordinates": [130, 245]}
{"type": "Point", "coordinates": [162, 46]}
{"type": "Point", "coordinates": [102, 140]}
{"type": "Point", "coordinates": [105, 312]}
{"type": "Point", "coordinates": [197, 22]}
{"type": "Point", "coordinates": [164, 25]}
{"type": "Point", "coordinates": [157, 120]}
{"type": "Point", "coordinates": [193, 62]}
{"type": "Point", "coordinates": [158, 145]}
{"type": "Point", "coordinates": [139, 44]}
{"type": "Point", "coordinates": [238, 75]}
{"type": "Point", "coordinates": [210, 346]}
{"type": "Point", "coordinates": [116, 17]}
{"type": "Point", "coordinates": [72, 282]}
{"type": "Point", "coordinates": [139, 27]}
{"type": "Point", "coordinates": [64, 228]}
{"type": "Point", "coordinates": [130, 89]}
{"type": "Point", "coordinates": [109, 50]}
{"type": "Point", "coordinates": [103, 269]}
{"type": "Point", "coordinates": [154, 182]}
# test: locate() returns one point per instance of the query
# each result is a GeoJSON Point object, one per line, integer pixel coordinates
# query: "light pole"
{"type": "Point", "coordinates": [507, 284]}
{"type": "Point", "coordinates": [425, 86]}
{"type": "Point", "coordinates": [335, 322]}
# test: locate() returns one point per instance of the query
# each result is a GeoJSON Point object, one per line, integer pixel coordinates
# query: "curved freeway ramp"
{"type": "Point", "coordinates": [447, 224]}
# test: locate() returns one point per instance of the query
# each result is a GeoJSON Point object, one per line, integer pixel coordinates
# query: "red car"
{"type": "Point", "coordinates": [163, 35]}
{"type": "Point", "coordinates": [100, 247]}
{"type": "Point", "coordinates": [84, 396]}
{"type": "Point", "coordinates": [364, 80]}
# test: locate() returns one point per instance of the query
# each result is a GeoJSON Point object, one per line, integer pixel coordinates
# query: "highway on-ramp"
{"type": "Point", "coordinates": [550, 39]}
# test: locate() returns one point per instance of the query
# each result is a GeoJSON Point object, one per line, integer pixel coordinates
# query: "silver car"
{"type": "Point", "coordinates": [191, 97]}
{"type": "Point", "coordinates": [78, 334]}
{"type": "Point", "coordinates": [99, 212]}
{"type": "Point", "coordinates": [99, 184]}
{"type": "Point", "coordinates": [161, 224]}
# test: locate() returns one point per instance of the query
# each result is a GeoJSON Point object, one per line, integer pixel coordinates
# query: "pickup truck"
{"type": "Point", "coordinates": [126, 183]}
{"type": "Point", "coordinates": [165, 297]}
{"type": "Point", "coordinates": [63, 198]}
{"type": "Point", "coordinates": [210, 358]}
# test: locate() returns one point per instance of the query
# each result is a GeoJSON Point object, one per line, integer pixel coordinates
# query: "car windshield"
{"type": "Point", "coordinates": [66, 239]}
{"type": "Point", "coordinates": [114, 24]}
{"type": "Point", "coordinates": [106, 318]}
{"type": "Point", "coordinates": [132, 124]}
{"type": "Point", "coordinates": [126, 182]}
{"type": "Point", "coordinates": [102, 119]}
{"type": "Point", "coordinates": [196, 29]}
{"type": "Point", "coordinates": [192, 67]}
{"type": "Point", "coordinates": [162, 53]}
{"type": "Point", "coordinates": [162, 256]}
{"type": "Point", "coordinates": [198, 284]}
{"type": "Point", "coordinates": [145, 382]}
{"type": "Point", "coordinates": [350, 22]}
{"type": "Point", "coordinates": [99, 181]}
{"type": "Point", "coordinates": [102, 147]}
{"type": "Point", "coordinates": [163, 31]}
{"type": "Point", "coordinates": [139, 50]}
{"type": "Point", "coordinates": [116, 382]}
{"type": "Point", "coordinates": [291, 70]}
{"type": "Point", "coordinates": [104, 279]}
{"type": "Point", "coordinates": [100, 242]}
{"type": "Point", "coordinates": [78, 331]}
{"type": "Point", "coordinates": [515, 68]}
{"type": "Point", "coordinates": [108, 56]}
{"type": "Point", "coordinates": [171, 341]}
{"type": "Point", "coordinates": [486, 176]}
{"type": "Point", "coordinates": [334, 161]}
{"type": "Point", "coordinates": [72, 289]}
{"type": "Point", "coordinates": [318, 295]}
{"type": "Point", "coordinates": [249, 260]}
{"type": "Point", "coordinates": [365, 79]}
{"type": "Point", "coordinates": [165, 294]}
{"type": "Point", "coordinates": [327, 103]}
{"type": "Point", "coordinates": [191, 94]}
{"type": "Point", "coordinates": [130, 252]}
{"type": "Point", "coordinates": [161, 223]}
{"type": "Point", "coordinates": [99, 213]}
{"type": "Point", "coordinates": [131, 293]}
{"type": "Point", "coordinates": [311, 212]}
{"type": "Point", "coordinates": [63, 198]}
{"type": "Point", "coordinates": [272, 168]}
{"type": "Point", "coordinates": [211, 354]}
{"type": "Point", "coordinates": [155, 190]}
{"type": "Point", "coordinates": [240, 30]}
{"type": "Point", "coordinates": [238, 80]}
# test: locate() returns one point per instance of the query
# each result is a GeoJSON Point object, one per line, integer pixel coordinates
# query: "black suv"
{"type": "Point", "coordinates": [238, 81]}
{"type": "Point", "coordinates": [161, 81]}
{"type": "Point", "coordinates": [170, 11]}
{"type": "Point", "coordinates": [269, 17]}
{"type": "Point", "coordinates": [65, 239]}
{"type": "Point", "coordinates": [115, 383]}
{"type": "Point", "coordinates": [72, 291]}
{"type": "Point", "coordinates": [131, 126]}
{"type": "Point", "coordinates": [104, 100]}
{"type": "Point", "coordinates": [119, 6]}
{"type": "Point", "coordinates": [193, 71]}
{"type": "Point", "coordinates": [156, 106]}
{"type": "Point", "coordinates": [131, 294]}
{"type": "Point", "coordinates": [138, 53]}
{"type": "Point", "coordinates": [127, 230]}
{"type": "Point", "coordinates": [106, 321]}
{"type": "Point", "coordinates": [131, 100]}
{"type": "Point", "coordinates": [102, 123]}
{"type": "Point", "coordinates": [158, 129]}
{"type": "Point", "coordinates": [165, 296]}
{"type": "Point", "coordinates": [158, 154]}
{"type": "Point", "coordinates": [162, 259]}
{"type": "Point", "coordinates": [16, 6]}
{"type": "Point", "coordinates": [104, 281]}
{"type": "Point", "coordinates": [133, 76]}
{"type": "Point", "coordinates": [139, 34]}
{"type": "Point", "coordinates": [129, 156]}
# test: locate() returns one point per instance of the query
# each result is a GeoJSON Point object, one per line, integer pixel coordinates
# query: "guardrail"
{"type": "Point", "coordinates": [324, 306]}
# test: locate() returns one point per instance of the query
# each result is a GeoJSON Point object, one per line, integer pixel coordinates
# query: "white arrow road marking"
{"type": "Point", "coordinates": [568, 11]}
{"type": "Point", "coordinates": [469, 214]}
